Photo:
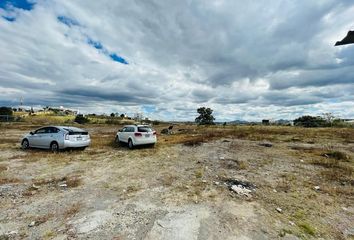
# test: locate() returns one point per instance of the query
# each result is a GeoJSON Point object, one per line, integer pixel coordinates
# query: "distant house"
{"type": "Point", "coordinates": [351, 121]}
{"type": "Point", "coordinates": [265, 121]}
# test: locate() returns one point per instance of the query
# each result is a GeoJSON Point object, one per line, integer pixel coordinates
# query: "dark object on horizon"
{"type": "Point", "coordinates": [81, 119]}
{"type": "Point", "coordinates": [349, 39]}
{"type": "Point", "coordinates": [266, 122]}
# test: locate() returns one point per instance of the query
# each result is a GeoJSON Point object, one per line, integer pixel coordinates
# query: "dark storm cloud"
{"type": "Point", "coordinates": [120, 97]}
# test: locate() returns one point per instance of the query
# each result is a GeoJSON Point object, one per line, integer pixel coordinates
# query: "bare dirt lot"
{"type": "Point", "coordinates": [244, 182]}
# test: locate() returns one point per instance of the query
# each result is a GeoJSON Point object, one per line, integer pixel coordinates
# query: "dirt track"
{"type": "Point", "coordinates": [171, 191]}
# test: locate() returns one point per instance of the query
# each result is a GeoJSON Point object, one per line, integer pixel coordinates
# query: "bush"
{"type": "Point", "coordinates": [6, 114]}
{"type": "Point", "coordinates": [6, 111]}
{"type": "Point", "coordinates": [81, 119]}
{"type": "Point", "coordinates": [310, 121]}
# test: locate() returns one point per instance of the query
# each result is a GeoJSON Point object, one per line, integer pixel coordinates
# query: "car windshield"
{"type": "Point", "coordinates": [144, 129]}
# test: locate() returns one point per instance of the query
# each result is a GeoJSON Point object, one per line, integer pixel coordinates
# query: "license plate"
{"type": "Point", "coordinates": [79, 138]}
{"type": "Point", "coordinates": [147, 135]}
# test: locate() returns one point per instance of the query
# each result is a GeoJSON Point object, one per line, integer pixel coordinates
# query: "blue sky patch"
{"type": "Point", "coordinates": [117, 58]}
{"type": "Point", "coordinates": [99, 46]}
{"type": "Point", "coordinates": [67, 21]}
{"type": "Point", "coordinates": [95, 44]}
{"type": "Point", "coordinates": [22, 4]}
{"type": "Point", "coordinates": [149, 109]}
{"type": "Point", "coordinates": [10, 19]}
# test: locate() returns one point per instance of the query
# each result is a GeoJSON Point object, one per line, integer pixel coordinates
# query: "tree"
{"type": "Point", "coordinates": [122, 115]}
{"type": "Point", "coordinates": [113, 115]}
{"type": "Point", "coordinates": [5, 111]}
{"type": "Point", "coordinates": [310, 121]}
{"type": "Point", "coordinates": [329, 118]}
{"type": "Point", "coordinates": [205, 116]}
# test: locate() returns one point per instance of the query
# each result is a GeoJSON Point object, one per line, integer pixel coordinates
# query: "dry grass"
{"type": "Point", "coordinates": [43, 219]}
{"type": "Point", "coordinates": [73, 181]}
{"type": "Point", "coordinates": [337, 155]}
{"type": "Point", "coordinates": [168, 180]}
{"type": "Point", "coordinates": [70, 181]}
{"type": "Point", "coordinates": [5, 180]}
{"type": "Point", "coordinates": [3, 168]}
{"type": "Point", "coordinates": [72, 210]}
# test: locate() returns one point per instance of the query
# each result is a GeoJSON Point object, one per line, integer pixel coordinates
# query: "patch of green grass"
{"type": "Point", "coordinates": [307, 228]}
{"type": "Point", "coordinates": [199, 173]}
{"type": "Point", "coordinates": [285, 231]}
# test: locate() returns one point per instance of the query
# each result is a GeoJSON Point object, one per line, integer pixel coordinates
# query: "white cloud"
{"type": "Point", "coordinates": [246, 60]}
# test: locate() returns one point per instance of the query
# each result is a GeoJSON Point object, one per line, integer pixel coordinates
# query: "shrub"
{"type": "Point", "coordinates": [81, 119]}
{"type": "Point", "coordinates": [310, 121]}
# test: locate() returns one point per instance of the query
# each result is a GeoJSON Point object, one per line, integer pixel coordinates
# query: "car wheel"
{"type": "Point", "coordinates": [82, 148]}
{"type": "Point", "coordinates": [25, 144]}
{"type": "Point", "coordinates": [54, 147]}
{"type": "Point", "coordinates": [117, 140]}
{"type": "Point", "coordinates": [130, 144]}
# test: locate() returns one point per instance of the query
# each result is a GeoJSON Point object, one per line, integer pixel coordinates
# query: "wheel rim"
{"type": "Point", "coordinates": [25, 144]}
{"type": "Point", "coordinates": [130, 144]}
{"type": "Point", "coordinates": [54, 147]}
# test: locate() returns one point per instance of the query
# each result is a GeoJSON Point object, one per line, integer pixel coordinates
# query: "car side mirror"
{"type": "Point", "coordinates": [32, 133]}
{"type": "Point", "coordinates": [120, 130]}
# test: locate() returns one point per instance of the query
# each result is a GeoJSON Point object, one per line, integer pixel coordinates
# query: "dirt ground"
{"type": "Point", "coordinates": [302, 185]}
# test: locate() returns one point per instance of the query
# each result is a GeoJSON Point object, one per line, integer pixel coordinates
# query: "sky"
{"type": "Point", "coordinates": [247, 60]}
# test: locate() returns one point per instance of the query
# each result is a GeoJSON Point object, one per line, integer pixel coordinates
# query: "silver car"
{"type": "Point", "coordinates": [56, 138]}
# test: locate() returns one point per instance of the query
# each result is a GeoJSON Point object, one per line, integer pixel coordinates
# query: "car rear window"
{"type": "Point", "coordinates": [72, 132]}
{"type": "Point", "coordinates": [144, 129]}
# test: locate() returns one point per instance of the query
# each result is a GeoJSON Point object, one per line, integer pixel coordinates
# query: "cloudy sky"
{"type": "Point", "coordinates": [245, 59]}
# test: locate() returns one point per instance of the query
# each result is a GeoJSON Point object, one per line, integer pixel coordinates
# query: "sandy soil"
{"type": "Point", "coordinates": [173, 191]}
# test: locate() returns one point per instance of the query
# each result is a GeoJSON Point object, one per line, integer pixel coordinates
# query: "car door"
{"type": "Point", "coordinates": [130, 133]}
{"type": "Point", "coordinates": [35, 139]}
{"type": "Point", "coordinates": [44, 139]}
{"type": "Point", "coordinates": [125, 133]}
{"type": "Point", "coordinates": [49, 136]}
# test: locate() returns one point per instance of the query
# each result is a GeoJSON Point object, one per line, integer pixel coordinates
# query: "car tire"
{"type": "Point", "coordinates": [82, 148]}
{"type": "Point", "coordinates": [130, 144]}
{"type": "Point", "coordinates": [25, 144]}
{"type": "Point", "coordinates": [54, 147]}
{"type": "Point", "coordinates": [116, 140]}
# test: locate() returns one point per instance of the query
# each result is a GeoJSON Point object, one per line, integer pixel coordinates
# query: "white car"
{"type": "Point", "coordinates": [135, 135]}
{"type": "Point", "coordinates": [56, 138]}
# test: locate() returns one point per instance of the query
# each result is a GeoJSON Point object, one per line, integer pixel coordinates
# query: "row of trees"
{"type": "Point", "coordinates": [326, 120]}
{"type": "Point", "coordinates": [206, 118]}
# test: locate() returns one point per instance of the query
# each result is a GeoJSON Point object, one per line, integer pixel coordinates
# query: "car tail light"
{"type": "Point", "coordinates": [66, 136]}
{"type": "Point", "coordinates": [154, 133]}
{"type": "Point", "coordinates": [138, 134]}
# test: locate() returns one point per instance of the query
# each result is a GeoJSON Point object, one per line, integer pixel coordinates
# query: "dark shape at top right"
{"type": "Point", "coordinates": [349, 39]}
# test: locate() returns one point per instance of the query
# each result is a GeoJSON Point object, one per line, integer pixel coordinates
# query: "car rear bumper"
{"type": "Point", "coordinates": [75, 144]}
{"type": "Point", "coordinates": [142, 141]}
